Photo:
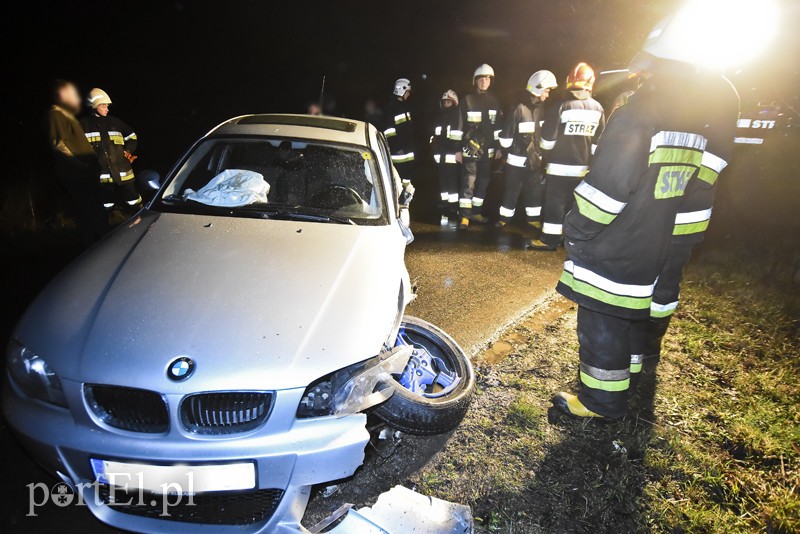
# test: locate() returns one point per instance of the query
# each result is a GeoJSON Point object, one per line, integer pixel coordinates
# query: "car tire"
{"type": "Point", "coordinates": [424, 416]}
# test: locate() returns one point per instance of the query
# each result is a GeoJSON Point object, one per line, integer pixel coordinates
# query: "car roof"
{"type": "Point", "coordinates": [298, 126]}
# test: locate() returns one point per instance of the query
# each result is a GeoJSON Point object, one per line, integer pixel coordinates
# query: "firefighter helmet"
{"type": "Point", "coordinates": [483, 70]}
{"type": "Point", "coordinates": [401, 86]}
{"type": "Point", "coordinates": [541, 80]}
{"type": "Point", "coordinates": [98, 96]}
{"type": "Point", "coordinates": [450, 95]}
{"type": "Point", "coordinates": [581, 78]}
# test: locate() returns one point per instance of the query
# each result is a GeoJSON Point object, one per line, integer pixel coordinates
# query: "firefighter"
{"type": "Point", "coordinates": [482, 116]}
{"type": "Point", "coordinates": [691, 223]}
{"type": "Point", "coordinates": [446, 144]}
{"type": "Point", "coordinates": [660, 155]}
{"type": "Point", "coordinates": [76, 165]}
{"type": "Point", "coordinates": [569, 137]}
{"type": "Point", "coordinates": [399, 132]}
{"type": "Point", "coordinates": [114, 142]}
{"type": "Point", "coordinates": [520, 138]}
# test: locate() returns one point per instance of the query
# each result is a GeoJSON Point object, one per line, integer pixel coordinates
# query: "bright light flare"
{"type": "Point", "coordinates": [727, 33]}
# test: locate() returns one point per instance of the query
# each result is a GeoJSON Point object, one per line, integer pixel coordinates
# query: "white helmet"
{"type": "Point", "coordinates": [97, 96]}
{"type": "Point", "coordinates": [401, 86]}
{"type": "Point", "coordinates": [483, 70]}
{"type": "Point", "coordinates": [541, 80]}
{"type": "Point", "coordinates": [450, 95]}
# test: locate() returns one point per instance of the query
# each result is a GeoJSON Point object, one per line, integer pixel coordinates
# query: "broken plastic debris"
{"type": "Point", "coordinates": [401, 510]}
{"type": "Point", "coordinates": [330, 490]}
{"type": "Point", "coordinates": [387, 433]}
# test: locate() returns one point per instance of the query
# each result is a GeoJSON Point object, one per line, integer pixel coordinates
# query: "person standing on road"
{"type": "Point", "coordinates": [660, 156]}
{"type": "Point", "coordinates": [569, 137]}
{"type": "Point", "coordinates": [446, 144]}
{"type": "Point", "coordinates": [481, 114]}
{"type": "Point", "coordinates": [114, 142]}
{"type": "Point", "coordinates": [399, 131]}
{"type": "Point", "coordinates": [76, 165]}
{"type": "Point", "coordinates": [520, 138]}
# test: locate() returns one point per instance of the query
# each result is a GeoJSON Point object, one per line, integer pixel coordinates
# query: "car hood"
{"type": "Point", "coordinates": [256, 304]}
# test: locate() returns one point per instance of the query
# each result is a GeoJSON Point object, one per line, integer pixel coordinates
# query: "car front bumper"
{"type": "Point", "coordinates": [289, 454]}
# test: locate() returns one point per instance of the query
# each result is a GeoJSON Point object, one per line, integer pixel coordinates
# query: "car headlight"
{"type": "Point", "coordinates": [33, 376]}
{"type": "Point", "coordinates": [354, 388]}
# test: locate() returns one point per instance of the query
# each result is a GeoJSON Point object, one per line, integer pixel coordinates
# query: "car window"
{"type": "Point", "coordinates": [243, 175]}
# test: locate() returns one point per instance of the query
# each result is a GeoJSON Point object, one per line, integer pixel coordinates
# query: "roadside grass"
{"type": "Point", "coordinates": [712, 442]}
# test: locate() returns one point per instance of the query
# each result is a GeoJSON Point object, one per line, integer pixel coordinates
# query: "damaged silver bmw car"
{"type": "Point", "coordinates": [214, 357]}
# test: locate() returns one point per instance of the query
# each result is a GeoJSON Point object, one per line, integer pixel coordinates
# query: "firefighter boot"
{"type": "Point", "coordinates": [463, 224]}
{"type": "Point", "coordinates": [535, 224]}
{"type": "Point", "coordinates": [569, 404]}
{"type": "Point", "coordinates": [538, 244]}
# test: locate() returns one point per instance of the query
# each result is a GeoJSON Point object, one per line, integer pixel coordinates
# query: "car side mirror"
{"type": "Point", "coordinates": [403, 221]}
{"type": "Point", "coordinates": [149, 180]}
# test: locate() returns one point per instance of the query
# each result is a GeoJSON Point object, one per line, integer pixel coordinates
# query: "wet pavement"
{"type": "Point", "coordinates": [471, 284]}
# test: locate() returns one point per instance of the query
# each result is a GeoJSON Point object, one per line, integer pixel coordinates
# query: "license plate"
{"type": "Point", "coordinates": [184, 479]}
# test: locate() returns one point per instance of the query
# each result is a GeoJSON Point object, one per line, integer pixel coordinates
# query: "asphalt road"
{"type": "Point", "coordinates": [471, 284]}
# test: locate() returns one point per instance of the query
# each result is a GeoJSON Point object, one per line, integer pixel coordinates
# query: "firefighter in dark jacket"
{"type": "Point", "coordinates": [75, 162]}
{"type": "Point", "coordinates": [691, 223]}
{"type": "Point", "coordinates": [520, 139]}
{"type": "Point", "coordinates": [661, 153]}
{"type": "Point", "coordinates": [569, 138]}
{"type": "Point", "coordinates": [445, 145]}
{"type": "Point", "coordinates": [114, 142]}
{"type": "Point", "coordinates": [399, 132]}
{"type": "Point", "coordinates": [482, 117]}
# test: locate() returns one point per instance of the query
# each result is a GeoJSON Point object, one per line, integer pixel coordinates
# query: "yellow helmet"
{"type": "Point", "coordinates": [98, 96]}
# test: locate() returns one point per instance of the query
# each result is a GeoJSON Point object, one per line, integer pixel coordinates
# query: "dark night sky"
{"type": "Point", "coordinates": [175, 69]}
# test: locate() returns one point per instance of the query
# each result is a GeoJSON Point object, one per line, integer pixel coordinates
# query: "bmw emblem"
{"type": "Point", "coordinates": [180, 369]}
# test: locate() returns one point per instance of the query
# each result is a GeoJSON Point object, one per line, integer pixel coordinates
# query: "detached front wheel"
{"type": "Point", "coordinates": [434, 391]}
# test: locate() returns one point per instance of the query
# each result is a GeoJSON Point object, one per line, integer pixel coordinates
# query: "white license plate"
{"type": "Point", "coordinates": [184, 479]}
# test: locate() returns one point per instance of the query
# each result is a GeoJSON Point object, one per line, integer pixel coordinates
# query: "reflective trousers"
{"type": "Point", "coordinates": [528, 182]}
{"type": "Point", "coordinates": [605, 368]}
{"type": "Point", "coordinates": [449, 174]}
{"type": "Point", "coordinates": [647, 335]}
{"type": "Point", "coordinates": [123, 194]}
{"type": "Point", "coordinates": [558, 200]}
{"type": "Point", "coordinates": [475, 177]}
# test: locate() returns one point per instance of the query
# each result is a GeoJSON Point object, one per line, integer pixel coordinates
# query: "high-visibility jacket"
{"type": "Point", "coordinates": [482, 117]}
{"type": "Point", "coordinates": [521, 134]}
{"type": "Point", "coordinates": [661, 151]}
{"type": "Point", "coordinates": [398, 131]}
{"type": "Point", "coordinates": [111, 138]}
{"type": "Point", "coordinates": [447, 135]}
{"type": "Point", "coordinates": [570, 133]}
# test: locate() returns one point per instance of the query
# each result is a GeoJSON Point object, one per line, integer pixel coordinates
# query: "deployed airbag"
{"type": "Point", "coordinates": [231, 188]}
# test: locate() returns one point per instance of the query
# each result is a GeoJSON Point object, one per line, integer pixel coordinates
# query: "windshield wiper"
{"type": "Point", "coordinates": [305, 216]}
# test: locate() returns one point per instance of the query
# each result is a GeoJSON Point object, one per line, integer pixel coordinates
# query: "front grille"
{"type": "Point", "coordinates": [137, 410]}
{"type": "Point", "coordinates": [225, 413]}
{"type": "Point", "coordinates": [217, 508]}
